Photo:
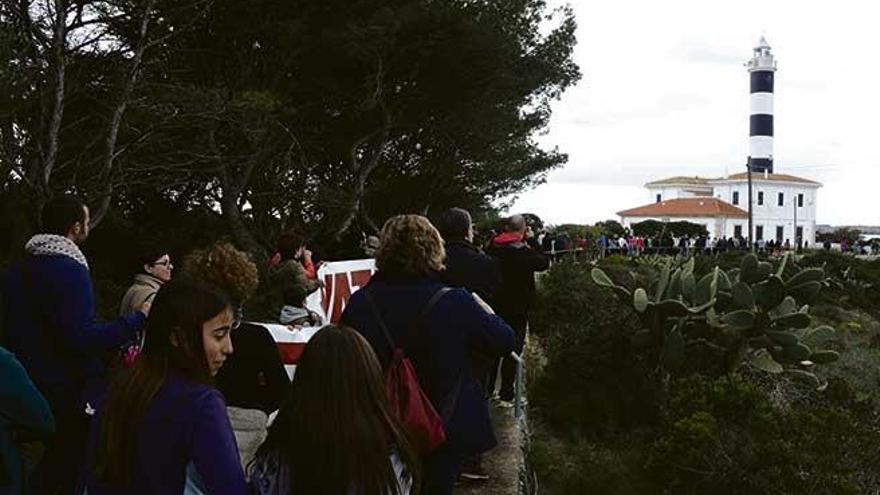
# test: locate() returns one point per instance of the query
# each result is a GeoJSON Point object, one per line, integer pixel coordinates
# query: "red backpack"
{"type": "Point", "coordinates": [406, 399]}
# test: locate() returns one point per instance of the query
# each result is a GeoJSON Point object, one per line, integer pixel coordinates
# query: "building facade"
{"type": "Point", "coordinates": [783, 206]}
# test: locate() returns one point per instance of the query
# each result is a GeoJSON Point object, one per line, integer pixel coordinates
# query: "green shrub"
{"type": "Point", "coordinates": [589, 467]}
{"type": "Point", "coordinates": [592, 380]}
{"type": "Point", "coordinates": [610, 423]}
{"type": "Point", "coordinates": [726, 437]}
{"type": "Point", "coordinates": [855, 281]}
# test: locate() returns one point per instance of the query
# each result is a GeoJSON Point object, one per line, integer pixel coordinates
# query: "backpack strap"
{"type": "Point", "coordinates": [435, 299]}
{"type": "Point", "coordinates": [447, 406]}
{"type": "Point", "coordinates": [423, 315]}
{"type": "Point", "coordinates": [375, 309]}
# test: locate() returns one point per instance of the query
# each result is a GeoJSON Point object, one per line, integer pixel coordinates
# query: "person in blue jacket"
{"type": "Point", "coordinates": [162, 427]}
{"type": "Point", "coordinates": [469, 267]}
{"type": "Point", "coordinates": [52, 329]}
{"type": "Point", "coordinates": [440, 343]}
{"type": "Point", "coordinates": [25, 421]}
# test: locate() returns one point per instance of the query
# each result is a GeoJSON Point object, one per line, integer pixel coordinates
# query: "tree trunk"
{"type": "Point", "coordinates": [362, 173]}
{"type": "Point", "coordinates": [109, 158]}
{"type": "Point", "coordinates": [241, 235]}
{"type": "Point", "coordinates": [50, 151]}
{"type": "Point", "coordinates": [231, 209]}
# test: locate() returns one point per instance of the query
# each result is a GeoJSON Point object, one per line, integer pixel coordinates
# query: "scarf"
{"type": "Point", "coordinates": [509, 238]}
{"type": "Point", "coordinates": [55, 245]}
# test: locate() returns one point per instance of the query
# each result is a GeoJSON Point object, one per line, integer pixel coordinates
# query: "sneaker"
{"type": "Point", "coordinates": [474, 472]}
{"type": "Point", "coordinates": [505, 404]}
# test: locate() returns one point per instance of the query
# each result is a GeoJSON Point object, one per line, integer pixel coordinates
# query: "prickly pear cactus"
{"type": "Point", "coordinates": [748, 316]}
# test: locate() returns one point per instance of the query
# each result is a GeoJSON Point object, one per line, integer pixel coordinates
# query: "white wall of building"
{"type": "Point", "coordinates": [770, 215]}
{"type": "Point", "coordinates": [676, 192]}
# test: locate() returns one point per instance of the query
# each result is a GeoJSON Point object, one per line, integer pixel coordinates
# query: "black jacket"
{"type": "Point", "coordinates": [253, 377]}
{"type": "Point", "coordinates": [468, 267]}
{"type": "Point", "coordinates": [518, 262]}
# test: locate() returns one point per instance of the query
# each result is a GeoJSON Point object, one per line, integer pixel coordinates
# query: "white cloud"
{"type": "Point", "coordinates": [665, 93]}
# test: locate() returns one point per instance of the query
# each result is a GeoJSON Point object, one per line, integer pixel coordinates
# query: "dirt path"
{"type": "Point", "coordinates": [503, 463]}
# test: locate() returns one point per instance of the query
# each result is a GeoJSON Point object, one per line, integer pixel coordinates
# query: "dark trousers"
{"type": "Point", "coordinates": [440, 470]}
{"type": "Point", "coordinates": [60, 469]}
{"type": "Point", "coordinates": [518, 323]}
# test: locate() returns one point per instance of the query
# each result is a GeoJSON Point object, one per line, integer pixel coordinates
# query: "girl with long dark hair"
{"type": "Point", "coordinates": [163, 426]}
{"type": "Point", "coordinates": [335, 434]}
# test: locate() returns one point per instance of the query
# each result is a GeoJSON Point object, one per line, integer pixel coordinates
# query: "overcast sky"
{"type": "Point", "coordinates": [664, 92]}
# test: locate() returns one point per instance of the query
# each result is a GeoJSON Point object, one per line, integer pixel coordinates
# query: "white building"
{"type": "Point", "coordinates": [783, 206]}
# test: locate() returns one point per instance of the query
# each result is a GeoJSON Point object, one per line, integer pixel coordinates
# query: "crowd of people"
{"type": "Point", "coordinates": [182, 393]}
{"type": "Point", "coordinates": [672, 245]}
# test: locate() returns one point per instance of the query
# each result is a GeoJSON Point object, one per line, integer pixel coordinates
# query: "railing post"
{"type": "Point", "coordinates": [517, 400]}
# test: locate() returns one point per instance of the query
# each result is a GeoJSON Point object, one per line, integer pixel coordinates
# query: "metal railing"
{"type": "Point", "coordinates": [518, 402]}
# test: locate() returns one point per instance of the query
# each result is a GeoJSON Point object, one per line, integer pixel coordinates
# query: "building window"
{"type": "Point", "coordinates": [737, 231]}
{"type": "Point", "coordinates": [659, 198]}
{"type": "Point", "coordinates": [781, 199]}
{"type": "Point", "coordinates": [760, 198]}
{"type": "Point", "coordinates": [799, 238]}
{"type": "Point", "coordinates": [736, 197]}
{"type": "Point", "coordinates": [759, 232]}
{"type": "Point", "coordinates": [779, 233]}
{"type": "Point", "coordinates": [801, 200]}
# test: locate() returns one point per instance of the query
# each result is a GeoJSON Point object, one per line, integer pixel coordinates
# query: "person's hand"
{"type": "Point", "coordinates": [145, 308]}
{"type": "Point", "coordinates": [483, 304]}
{"type": "Point", "coordinates": [294, 328]}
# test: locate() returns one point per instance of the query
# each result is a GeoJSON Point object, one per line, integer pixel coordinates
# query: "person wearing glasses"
{"type": "Point", "coordinates": [154, 268]}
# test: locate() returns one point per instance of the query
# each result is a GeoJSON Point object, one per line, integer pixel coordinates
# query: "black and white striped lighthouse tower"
{"type": "Point", "coordinates": [761, 68]}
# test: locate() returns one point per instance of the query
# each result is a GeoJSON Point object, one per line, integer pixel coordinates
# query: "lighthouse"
{"type": "Point", "coordinates": [761, 68]}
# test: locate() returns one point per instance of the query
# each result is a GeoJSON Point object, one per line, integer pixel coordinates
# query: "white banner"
{"type": "Point", "coordinates": [341, 280]}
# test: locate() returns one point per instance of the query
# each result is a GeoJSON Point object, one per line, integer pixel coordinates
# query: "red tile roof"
{"type": "Point", "coordinates": [686, 207]}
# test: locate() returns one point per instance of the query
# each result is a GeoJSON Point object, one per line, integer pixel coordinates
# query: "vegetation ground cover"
{"type": "Point", "coordinates": [607, 419]}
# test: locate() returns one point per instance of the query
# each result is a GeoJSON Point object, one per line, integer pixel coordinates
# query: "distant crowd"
{"type": "Point", "coordinates": [638, 245]}
{"type": "Point", "coordinates": [185, 393]}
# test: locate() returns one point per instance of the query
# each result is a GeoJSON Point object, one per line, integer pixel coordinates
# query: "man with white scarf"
{"type": "Point", "coordinates": [52, 329]}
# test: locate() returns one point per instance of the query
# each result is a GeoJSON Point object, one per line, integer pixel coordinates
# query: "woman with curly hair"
{"type": "Point", "coordinates": [441, 330]}
{"type": "Point", "coordinates": [253, 379]}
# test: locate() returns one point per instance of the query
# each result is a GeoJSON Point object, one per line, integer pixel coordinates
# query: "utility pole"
{"type": "Point", "coordinates": [794, 233]}
{"type": "Point", "coordinates": [751, 217]}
